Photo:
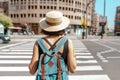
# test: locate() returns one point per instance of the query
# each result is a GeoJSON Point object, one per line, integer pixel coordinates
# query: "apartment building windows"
{"type": "Point", "coordinates": [32, 7]}
{"type": "Point", "coordinates": [29, 9]}
{"type": "Point", "coordinates": [40, 7]}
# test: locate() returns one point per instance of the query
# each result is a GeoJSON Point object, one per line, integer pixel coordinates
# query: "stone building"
{"type": "Point", "coordinates": [31, 11]}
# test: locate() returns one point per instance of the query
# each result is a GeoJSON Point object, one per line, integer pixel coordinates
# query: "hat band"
{"type": "Point", "coordinates": [53, 24]}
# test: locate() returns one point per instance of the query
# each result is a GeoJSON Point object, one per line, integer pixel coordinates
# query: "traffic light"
{"type": "Point", "coordinates": [83, 21]}
{"type": "Point", "coordinates": [84, 25]}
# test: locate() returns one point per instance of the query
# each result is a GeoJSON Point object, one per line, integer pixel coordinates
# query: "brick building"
{"type": "Point", "coordinates": [117, 21]}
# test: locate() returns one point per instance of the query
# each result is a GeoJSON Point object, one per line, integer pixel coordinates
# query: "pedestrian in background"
{"type": "Point", "coordinates": [53, 27]}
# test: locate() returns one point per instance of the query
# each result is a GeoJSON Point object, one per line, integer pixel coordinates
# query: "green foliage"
{"type": "Point", "coordinates": [5, 20]}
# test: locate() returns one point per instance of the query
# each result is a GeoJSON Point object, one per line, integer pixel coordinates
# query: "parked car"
{"type": "Point", "coordinates": [4, 38]}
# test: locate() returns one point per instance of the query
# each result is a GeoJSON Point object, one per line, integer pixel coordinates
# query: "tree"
{"type": "Point", "coordinates": [5, 20]}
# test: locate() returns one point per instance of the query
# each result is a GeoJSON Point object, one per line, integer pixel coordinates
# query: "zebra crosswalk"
{"type": "Point", "coordinates": [14, 65]}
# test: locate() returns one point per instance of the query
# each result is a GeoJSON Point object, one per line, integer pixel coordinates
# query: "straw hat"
{"type": "Point", "coordinates": [54, 21]}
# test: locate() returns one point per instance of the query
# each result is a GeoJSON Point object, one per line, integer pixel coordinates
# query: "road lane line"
{"type": "Point", "coordinates": [116, 57]}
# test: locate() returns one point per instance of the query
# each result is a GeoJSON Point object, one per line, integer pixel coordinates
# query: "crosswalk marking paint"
{"type": "Point", "coordinates": [89, 77]}
{"type": "Point", "coordinates": [27, 61]}
{"type": "Point", "coordinates": [88, 68]}
{"type": "Point", "coordinates": [84, 57]}
{"type": "Point", "coordinates": [83, 53]}
{"type": "Point", "coordinates": [75, 77]}
{"type": "Point", "coordinates": [18, 50]}
{"type": "Point", "coordinates": [15, 53]}
{"type": "Point", "coordinates": [13, 45]}
{"type": "Point", "coordinates": [79, 68]}
{"type": "Point", "coordinates": [15, 57]}
{"type": "Point", "coordinates": [82, 48]}
{"type": "Point", "coordinates": [14, 69]}
{"type": "Point", "coordinates": [14, 61]}
{"type": "Point", "coordinates": [86, 61]}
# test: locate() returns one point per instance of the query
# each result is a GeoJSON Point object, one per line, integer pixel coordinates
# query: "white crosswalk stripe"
{"type": "Point", "coordinates": [85, 63]}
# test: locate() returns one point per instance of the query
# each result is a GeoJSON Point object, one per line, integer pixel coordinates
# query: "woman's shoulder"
{"type": "Point", "coordinates": [69, 41]}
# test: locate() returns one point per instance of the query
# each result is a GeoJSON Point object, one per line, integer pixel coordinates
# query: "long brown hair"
{"type": "Point", "coordinates": [62, 32]}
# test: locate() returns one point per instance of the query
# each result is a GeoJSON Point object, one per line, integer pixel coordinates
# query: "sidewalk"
{"type": "Point", "coordinates": [99, 37]}
{"type": "Point", "coordinates": [33, 37]}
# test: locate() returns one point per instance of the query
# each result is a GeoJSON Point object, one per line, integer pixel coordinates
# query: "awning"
{"type": "Point", "coordinates": [15, 28]}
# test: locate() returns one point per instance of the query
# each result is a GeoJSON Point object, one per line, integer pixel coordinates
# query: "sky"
{"type": "Point", "coordinates": [110, 10]}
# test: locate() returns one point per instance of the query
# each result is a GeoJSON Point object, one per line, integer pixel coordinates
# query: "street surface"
{"type": "Point", "coordinates": [96, 59]}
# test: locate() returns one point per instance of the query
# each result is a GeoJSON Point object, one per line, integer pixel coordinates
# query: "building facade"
{"type": "Point", "coordinates": [4, 6]}
{"type": "Point", "coordinates": [31, 11]}
{"type": "Point", "coordinates": [1, 10]}
{"type": "Point", "coordinates": [117, 21]}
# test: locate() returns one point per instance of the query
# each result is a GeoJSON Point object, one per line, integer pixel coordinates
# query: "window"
{"type": "Point", "coordinates": [17, 15]}
{"type": "Point", "coordinates": [11, 15]}
{"type": "Point", "coordinates": [35, 6]}
{"type": "Point", "coordinates": [35, 15]}
{"type": "Point", "coordinates": [40, 15]}
{"type": "Point", "coordinates": [21, 15]}
{"type": "Point", "coordinates": [32, 15]}
{"type": "Point", "coordinates": [29, 7]}
{"type": "Point", "coordinates": [32, 7]}
{"type": "Point", "coordinates": [43, 15]}
{"type": "Point", "coordinates": [55, 7]}
{"type": "Point", "coordinates": [44, 7]}
{"type": "Point", "coordinates": [40, 7]}
{"type": "Point", "coordinates": [24, 15]}
{"type": "Point", "coordinates": [51, 7]}
{"type": "Point", "coordinates": [28, 15]}
{"type": "Point", "coordinates": [47, 7]}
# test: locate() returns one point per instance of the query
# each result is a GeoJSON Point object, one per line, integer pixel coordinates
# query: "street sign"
{"type": "Point", "coordinates": [102, 23]}
{"type": "Point", "coordinates": [102, 20]}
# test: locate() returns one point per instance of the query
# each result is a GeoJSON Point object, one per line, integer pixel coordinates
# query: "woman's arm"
{"type": "Point", "coordinates": [34, 61]}
{"type": "Point", "coordinates": [71, 62]}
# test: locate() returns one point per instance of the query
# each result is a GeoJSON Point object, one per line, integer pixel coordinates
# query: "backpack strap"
{"type": "Point", "coordinates": [56, 50]}
{"type": "Point", "coordinates": [52, 46]}
{"type": "Point", "coordinates": [42, 46]}
{"type": "Point", "coordinates": [57, 47]}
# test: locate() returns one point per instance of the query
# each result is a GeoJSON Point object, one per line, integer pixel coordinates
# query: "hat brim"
{"type": "Point", "coordinates": [64, 24]}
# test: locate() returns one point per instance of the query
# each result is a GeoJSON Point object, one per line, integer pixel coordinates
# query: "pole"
{"type": "Point", "coordinates": [104, 7]}
{"type": "Point", "coordinates": [87, 5]}
{"type": "Point", "coordinates": [103, 26]}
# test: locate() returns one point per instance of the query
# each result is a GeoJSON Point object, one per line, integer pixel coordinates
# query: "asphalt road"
{"type": "Point", "coordinates": [107, 53]}
{"type": "Point", "coordinates": [96, 59]}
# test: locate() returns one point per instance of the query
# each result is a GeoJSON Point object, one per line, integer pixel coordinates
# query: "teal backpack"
{"type": "Point", "coordinates": [51, 65]}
